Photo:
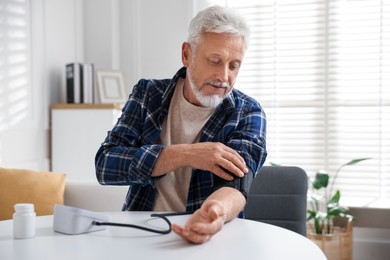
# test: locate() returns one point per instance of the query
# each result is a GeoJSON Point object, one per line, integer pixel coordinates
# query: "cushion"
{"type": "Point", "coordinates": [43, 189]}
{"type": "Point", "coordinates": [93, 196]}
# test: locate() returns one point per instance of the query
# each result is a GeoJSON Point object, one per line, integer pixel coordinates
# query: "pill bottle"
{"type": "Point", "coordinates": [24, 220]}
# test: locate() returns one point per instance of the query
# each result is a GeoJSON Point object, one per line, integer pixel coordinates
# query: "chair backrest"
{"type": "Point", "coordinates": [278, 196]}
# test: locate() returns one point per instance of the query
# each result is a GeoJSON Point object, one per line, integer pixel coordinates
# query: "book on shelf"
{"type": "Point", "coordinates": [80, 83]}
{"type": "Point", "coordinates": [73, 82]}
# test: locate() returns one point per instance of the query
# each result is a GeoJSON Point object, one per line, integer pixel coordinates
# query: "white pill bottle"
{"type": "Point", "coordinates": [24, 220]}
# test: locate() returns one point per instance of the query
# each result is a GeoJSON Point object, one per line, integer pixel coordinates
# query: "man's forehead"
{"type": "Point", "coordinates": [223, 45]}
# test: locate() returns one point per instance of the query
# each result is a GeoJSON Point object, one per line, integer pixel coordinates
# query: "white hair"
{"type": "Point", "coordinates": [217, 19]}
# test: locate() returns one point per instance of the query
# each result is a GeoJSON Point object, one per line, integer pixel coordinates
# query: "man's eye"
{"type": "Point", "coordinates": [234, 66]}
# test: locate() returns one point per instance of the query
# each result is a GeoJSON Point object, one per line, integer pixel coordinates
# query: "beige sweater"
{"type": "Point", "coordinates": [182, 125]}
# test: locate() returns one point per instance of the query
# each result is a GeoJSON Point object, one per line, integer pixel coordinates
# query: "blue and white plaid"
{"type": "Point", "coordinates": [129, 152]}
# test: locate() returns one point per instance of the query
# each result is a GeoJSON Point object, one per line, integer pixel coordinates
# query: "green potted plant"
{"type": "Point", "coordinates": [325, 207]}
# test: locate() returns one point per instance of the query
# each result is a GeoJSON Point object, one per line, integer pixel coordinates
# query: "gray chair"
{"type": "Point", "coordinates": [278, 196]}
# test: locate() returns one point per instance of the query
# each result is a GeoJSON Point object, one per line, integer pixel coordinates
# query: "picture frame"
{"type": "Point", "coordinates": [111, 86]}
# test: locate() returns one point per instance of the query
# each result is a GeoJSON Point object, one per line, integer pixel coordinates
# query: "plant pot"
{"type": "Point", "coordinates": [338, 245]}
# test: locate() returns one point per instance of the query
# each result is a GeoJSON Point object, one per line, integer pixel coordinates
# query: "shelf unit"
{"type": "Point", "coordinates": [77, 130]}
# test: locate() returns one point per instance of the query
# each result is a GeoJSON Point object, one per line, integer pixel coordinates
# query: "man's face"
{"type": "Point", "coordinates": [212, 70]}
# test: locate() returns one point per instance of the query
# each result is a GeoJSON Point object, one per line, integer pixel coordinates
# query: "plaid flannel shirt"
{"type": "Point", "coordinates": [129, 152]}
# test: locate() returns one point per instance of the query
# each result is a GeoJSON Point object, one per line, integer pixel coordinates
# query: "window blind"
{"type": "Point", "coordinates": [321, 70]}
{"type": "Point", "coordinates": [15, 86]}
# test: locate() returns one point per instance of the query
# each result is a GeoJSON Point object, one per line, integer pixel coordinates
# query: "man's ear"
{"type": "Point", "coordinates": [186, 54]}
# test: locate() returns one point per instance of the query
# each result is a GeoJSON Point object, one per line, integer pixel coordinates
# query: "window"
{"type": "Point", "coordinates": [15, 83]}
{"type": "Point", "coordinates": [321, 70]}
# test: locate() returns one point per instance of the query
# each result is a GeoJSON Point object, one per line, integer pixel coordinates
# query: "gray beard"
{"type": "Point", "coordinates": [207, 101]}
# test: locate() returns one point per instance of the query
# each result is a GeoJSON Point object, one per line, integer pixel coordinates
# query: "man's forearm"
{"type": "Point", "coordinates": [169, 159]}
{"type": "Point", "coordinates": [208, 156]}
{"type": "Point", "coordinates": [233, 201]}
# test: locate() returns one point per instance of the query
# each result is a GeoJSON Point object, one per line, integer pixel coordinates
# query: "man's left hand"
{"type": "Point", "coordinates": [203, 224]}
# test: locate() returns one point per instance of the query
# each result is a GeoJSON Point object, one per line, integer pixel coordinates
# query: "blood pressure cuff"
{"type": "Point", "coordinates": [242, 184]}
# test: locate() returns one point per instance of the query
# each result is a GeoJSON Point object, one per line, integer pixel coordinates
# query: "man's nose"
{"type": "Point", "coordinates": [223, 74]}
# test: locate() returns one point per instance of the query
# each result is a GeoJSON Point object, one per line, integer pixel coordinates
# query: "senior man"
{"type": "Point", "coordinates": [192, 143]}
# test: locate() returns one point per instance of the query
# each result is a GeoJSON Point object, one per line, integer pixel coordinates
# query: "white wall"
{"type": "Point", "coordinates": [140, 37]}
{"type": "Point", "coordinates": [162, 34]}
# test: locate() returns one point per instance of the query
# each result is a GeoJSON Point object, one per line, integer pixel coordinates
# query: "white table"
{"type": "Point", "coordinates": [239, 239]}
